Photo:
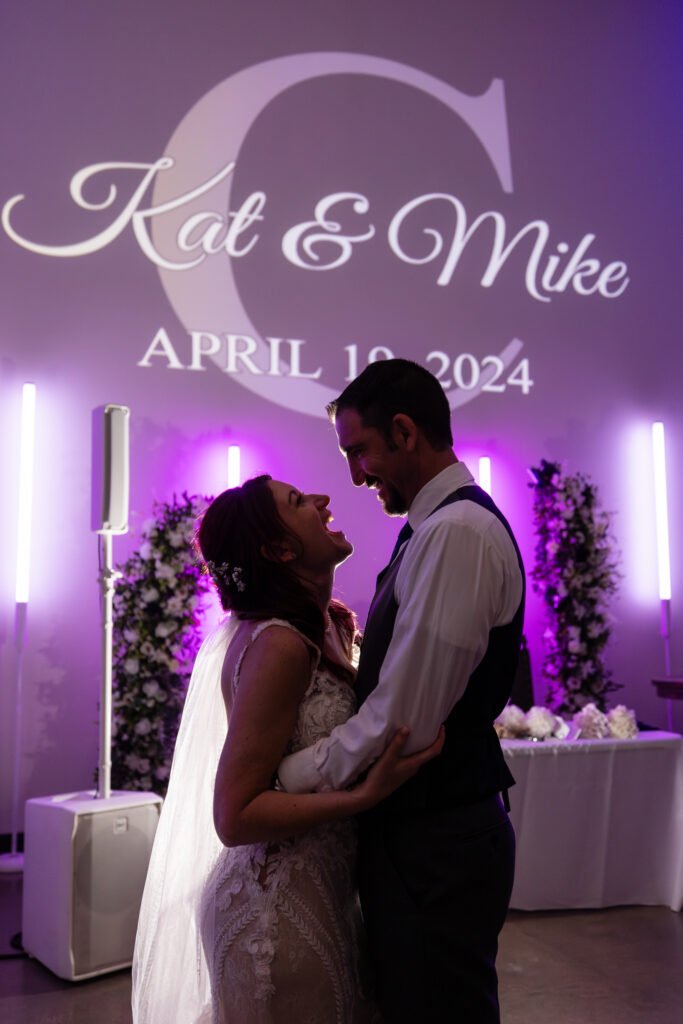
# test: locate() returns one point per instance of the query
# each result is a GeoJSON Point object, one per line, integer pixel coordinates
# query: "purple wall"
{"type": "Point", "coordinates": [575, 144]}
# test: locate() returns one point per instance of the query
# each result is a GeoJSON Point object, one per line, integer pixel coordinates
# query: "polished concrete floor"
{"type": "Point", "coordinates": [617, 966]}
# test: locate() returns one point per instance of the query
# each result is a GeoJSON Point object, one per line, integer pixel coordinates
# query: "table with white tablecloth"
{"type": "Point", "coordinates": [599, 823]}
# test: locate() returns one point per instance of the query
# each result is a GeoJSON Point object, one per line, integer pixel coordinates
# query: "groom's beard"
{"type": "Point", "coordinates": [393, 502]}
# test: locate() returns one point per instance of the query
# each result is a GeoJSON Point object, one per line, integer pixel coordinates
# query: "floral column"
{"type": "Point", "coordinates": [576, 574]}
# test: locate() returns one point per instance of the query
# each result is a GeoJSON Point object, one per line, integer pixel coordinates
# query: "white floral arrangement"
{"type": "Point", "coordinates": [511, 722]}
{"type": "Point", "coordinates": [541, 723]}
{"type": "Point", "coordinates": [156, 635]}
{"type": "Point", "coordinates": [576, 574]}
{"type": "Point", "coordinates": [622, 723]}
{"type": "Point", "coordinates": [618, 724]}
{"type": "Point", "coordinates": [591, 723]}
{"type": "Point", "coordinates": [538, 723]}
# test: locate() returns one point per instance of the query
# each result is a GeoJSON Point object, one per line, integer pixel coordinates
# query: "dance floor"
{"type": "Point", "coordinates": [562, 967]}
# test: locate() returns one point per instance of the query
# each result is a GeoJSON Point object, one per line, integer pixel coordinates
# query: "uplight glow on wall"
{"type": "Point", "coordinates": [234, 470]}
{"type": "Point", "coordinates": [28, 415]}
{"type": "Point", "coordinates": [661, 514]}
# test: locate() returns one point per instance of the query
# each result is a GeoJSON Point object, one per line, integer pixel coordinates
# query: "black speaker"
{"type": "Point", "coordinates": [110, 468]}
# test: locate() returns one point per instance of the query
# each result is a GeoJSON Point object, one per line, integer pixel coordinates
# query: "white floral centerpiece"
{"type": "Point", "coordinates": [591, 723]}
{"type": "Point", "coordinates": [155, 639]}
{"type": "Point", "coordinates": [576, 574]}
{"type": "Point", "coordinates": [622, 723]}
{"type": "Point", "coordinates": [540, 723]}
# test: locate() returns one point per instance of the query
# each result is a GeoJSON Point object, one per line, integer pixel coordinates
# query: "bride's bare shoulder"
{"type": "Point", "coordinates": [267, 651]}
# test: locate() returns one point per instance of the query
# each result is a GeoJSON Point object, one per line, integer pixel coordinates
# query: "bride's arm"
{"type": "Point", "coordinates": [273, 679]}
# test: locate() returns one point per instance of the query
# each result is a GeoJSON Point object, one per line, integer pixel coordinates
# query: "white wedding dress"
{"type": "Point", "coordinates": [260, 934]}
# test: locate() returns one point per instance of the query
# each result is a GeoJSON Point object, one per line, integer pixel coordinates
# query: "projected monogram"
{"type": "Point", "coordinates": [191, 232]}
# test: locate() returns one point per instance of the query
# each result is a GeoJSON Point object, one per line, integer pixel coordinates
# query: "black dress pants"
{"type": "Point", "coordinates": [435, 887]}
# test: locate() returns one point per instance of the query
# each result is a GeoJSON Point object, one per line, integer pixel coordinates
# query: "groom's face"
{"type": "Point", "coordinates": [373, 461]}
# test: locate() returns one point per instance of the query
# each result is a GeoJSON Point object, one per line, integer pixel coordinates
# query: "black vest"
{"type": "Point", "coordinates": [471, 766]}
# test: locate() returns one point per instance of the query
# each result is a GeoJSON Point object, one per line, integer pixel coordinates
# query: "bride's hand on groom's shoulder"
{"type": "Point", "coordinates": [392, 769]}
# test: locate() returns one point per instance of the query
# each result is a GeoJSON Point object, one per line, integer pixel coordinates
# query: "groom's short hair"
{"type": "Point", "coordinates": [392, 386]}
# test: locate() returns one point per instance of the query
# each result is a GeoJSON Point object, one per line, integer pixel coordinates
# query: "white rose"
{"type": "Point", "coordinates": [131, 666]}
{"type": "Point", "coordinates": [149, 594]}
{"type": "Point", "coordinates": [591, 723]}
{"type": "Point", "coordinates": [143, 727]}
{"type": "Point", "coordinates": [511, 722]}
{"type": "Point", "coordinates": [622, 723]}
{"type": "Point", "coordinates": [164, 629]}
{"type": "Point", "coordinates": [540, 722]}
{"type": "Point", "coordinates": [165, 572]}
{"type": "Point", "coordinates": [145, 550]}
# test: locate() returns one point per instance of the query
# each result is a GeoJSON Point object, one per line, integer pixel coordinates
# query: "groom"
{"type": "Point", "coordinates": [436, 859]}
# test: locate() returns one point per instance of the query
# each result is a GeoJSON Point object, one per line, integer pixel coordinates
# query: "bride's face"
{"type": "Point", "coordinates": [308, 517]}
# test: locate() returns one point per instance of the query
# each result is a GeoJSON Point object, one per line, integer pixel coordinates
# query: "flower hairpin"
{"type": "Point", "coordinates": [227, 575]}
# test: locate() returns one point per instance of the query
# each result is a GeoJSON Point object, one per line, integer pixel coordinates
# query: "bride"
{"type": "Point", "coordinates": [249, 914]}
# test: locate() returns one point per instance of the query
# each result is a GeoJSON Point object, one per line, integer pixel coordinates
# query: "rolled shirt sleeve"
{"type": "Point", "coordinates": [459, 578]}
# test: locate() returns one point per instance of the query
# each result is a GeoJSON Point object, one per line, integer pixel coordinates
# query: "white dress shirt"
{"type": "Point", "coordinates": [459, 578]}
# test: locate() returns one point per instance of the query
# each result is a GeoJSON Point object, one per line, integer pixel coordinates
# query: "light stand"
{"type": "Point", "coordinates": [107, 579]}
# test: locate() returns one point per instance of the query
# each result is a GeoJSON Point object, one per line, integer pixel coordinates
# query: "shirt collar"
{"type": "Point", "coordinates": [450, 479]}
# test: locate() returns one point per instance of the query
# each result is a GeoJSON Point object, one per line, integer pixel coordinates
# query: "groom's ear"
{"type": "Point", "coordinates": [278, 551]}
{"type": "Point", "coordinates": [404, 431]}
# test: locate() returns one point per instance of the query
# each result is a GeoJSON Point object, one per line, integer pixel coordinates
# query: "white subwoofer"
{"type": "Point", "coordinates": [85, 862]}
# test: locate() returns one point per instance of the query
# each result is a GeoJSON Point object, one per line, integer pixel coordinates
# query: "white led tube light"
{"type": "Point", "coordinates": [661, 515]}
{"type": "Point", "coordinates": [485, 473]}
{"type": "Point", "coordinates": [234, 465]}
{"type": "Point", "coordinates": [28, 411]}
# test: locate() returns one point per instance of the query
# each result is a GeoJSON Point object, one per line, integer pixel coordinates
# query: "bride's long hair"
{"type": "Point", "coordinates": [239, 538]}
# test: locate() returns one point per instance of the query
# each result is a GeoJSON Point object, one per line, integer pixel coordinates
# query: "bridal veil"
{"type": "Point", "coordinates": [171, 981]}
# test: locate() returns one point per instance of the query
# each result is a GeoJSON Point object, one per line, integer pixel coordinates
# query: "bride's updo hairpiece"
{"type": "Point", "coordinates": [226, 575]}
{"type": "Point", "coordinates": [236, 529]}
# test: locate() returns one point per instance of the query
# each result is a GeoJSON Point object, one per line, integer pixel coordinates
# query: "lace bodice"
{"type": "Point", "coordinates": [328, 702]}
